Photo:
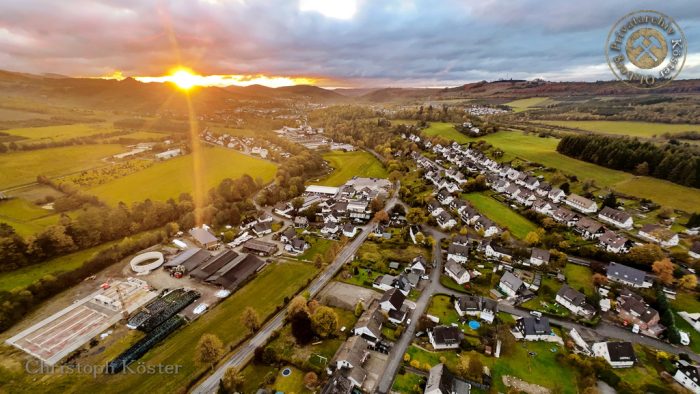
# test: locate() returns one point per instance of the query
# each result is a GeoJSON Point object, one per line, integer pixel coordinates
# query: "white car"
{"type": "Point", "coordinates": [536, 313]}
{"type": "Point", "coordinates": [685, 338]}
{"type": "Point", "coordinates": [200, 309]}
{"type": "Point", "coordinates": [408, 322]}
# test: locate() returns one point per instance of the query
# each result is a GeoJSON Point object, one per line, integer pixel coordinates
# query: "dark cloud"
{"type": "Point", "coordinates": [388, 42]}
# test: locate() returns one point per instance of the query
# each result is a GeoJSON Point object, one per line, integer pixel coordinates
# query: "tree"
{"type": "Point", "coordinates": [532, 238]}
{"type": "Point", "coordinates": [475, 369]}
{"type": "Point", "coordinates": [250, 319]}
{"type": "Point", "coordinates": [381, 217]}
{"type": "Point", "coordinates": [310, 380]}
{"type": "Point", "coordinates": [301, 328]}
{"type": "Point", "coordinates": [233, 380]}
{"type": "Point", "coordinates": [415, 216]}
{"type": "Point", "coordinates": [297, 203]}
{"type": "Point", "coordinates": [663, 270]}
{"type": "Point", "coordinates": [610, 200]}
{"type": "Point", "coordinates": [462, 368]}
{"type": "Point", "coordinates": [324, 321]}
{"type": "Point", "coordinates": [646, 254]}
{"type": "Point", "coordinates": [565, 187]}
{"type": "Point", "coordinates": [689, 281]}
{"type": "Point", "coordinates": [642, 168]}
{"type": "Point", "coordinates": [297, 305]}
{"type": "Point", "coordinates": [209, 349]}
{"type": "Point", "coordinates": [599, 279]}
{"type": "Point", "coordinates": [359, 308]}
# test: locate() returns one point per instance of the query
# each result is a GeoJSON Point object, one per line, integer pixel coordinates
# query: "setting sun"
{"type": "Point", "coordinates": [184, 79]}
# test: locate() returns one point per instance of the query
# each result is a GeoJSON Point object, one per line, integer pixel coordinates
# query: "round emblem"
{"type": "Point", "coordinates": [646, 49]}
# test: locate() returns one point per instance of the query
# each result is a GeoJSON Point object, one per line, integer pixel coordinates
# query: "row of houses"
{"type": "Point", "coordinates": [527, 190]}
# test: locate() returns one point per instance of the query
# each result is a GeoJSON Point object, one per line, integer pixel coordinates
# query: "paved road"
{"type": "Point", "coordinates": [397, 352]}
{"type": "Point", "coordinates": [245, 352]}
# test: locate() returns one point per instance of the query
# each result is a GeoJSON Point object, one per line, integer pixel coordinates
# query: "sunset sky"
{"type": "Point", "coordinates": [328, 42]}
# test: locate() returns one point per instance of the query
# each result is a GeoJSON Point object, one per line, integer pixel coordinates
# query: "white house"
{"type": "Point", "coordinates": [539, 256]}
{"type": "Point", "coordinates": [349, 230]}
{"type": "Point", "coordinates": [330, 229]}
{"type": "Point", "coordinates": [445, 220]}
{"type": "Point", "coordinates": [581, 204]}
{"type": "Point", "coordinates": [457, 272]}
{"type": "Point", "coordinates": [688, 376]}
{"type": "Point", "coordinates": [556, 195]}
{"type": "Point", "coordinates": [574, 301]}
{"type": "Point", "coordinates": [617, 354]}
{"type": "Point", "coordinates": [510, 284]}
{"type": "Point", "coordinates": [458, 253]}
{"type": "Point", "coordinates": [532, 328]}
{"type": "Point", "coordinates": [659, 234]}
{"type": "Point", "coordinates": [483, 307]}
{"type": "Point", "coordinates": [616, 217]}
{"type": "Point", "coordinates": [441, 381]}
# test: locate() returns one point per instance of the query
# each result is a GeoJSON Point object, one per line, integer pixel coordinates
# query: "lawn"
{"type": "Point", "coordinates": [255, 376]}
{"type": "Point", "coordinates": [643, 373]}
{"type": "Point", "coordinates": [500, 213]}
{"type": "Point", "coordinates": [25, 217]}
{"type": "Point", "coordinates": [388, 251]}
{"type": "Point", "coordinates": [264, 294]}
{"type": "Point", "coordinates": [446, 130]}
{"type": "Point", "coordinates": [683, 325]}
{"type": "Point", "coordinates": [543, 151]}
{"type": "Point", "coordinates": [441, 307]}
{"type": "Point", "coordinates": [686, 301]}
{"type": "Point", "coordinates": [58, 133]}
{"type": "Point", "coordinates": [319, 246]}
{"type": "Point", "coordinates": [19, 168]}
{"type": "Point", "coordinates": [139, 135]}
{"type": "Point", "coordinates": [294, 383]}
{"type": "Point", "coordinates": [526, 104]}
{"type": "Point", "coordinates": [350, 164]}
{"type": "Point", "coordinates": [171, 177]}
{"type": "Point", "coordinates": [538, 369]}
{"type": "Point", "coordinates": [633, 129]}
{"type": "Point", "coordinates": [408, 383]}
{"type": "Point", "coordinates": [578, 276]}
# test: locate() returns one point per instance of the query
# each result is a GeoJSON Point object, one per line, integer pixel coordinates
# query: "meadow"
{"type": "Point", "coordinates": [633, 129]}
{"type": "Point", "coordinates": [19, 168]}
{"type": "Point", "coordinates": [25, 217]}
{"type": "Point", "coordinates": [58, 133]}
{"type": "Point", "coordinates": [349, 164]}
{"type": "Point", "coordinates": [543, 151]}
{"type": "Point", "coordinates": [500, 213]}
{"type": "Point", "coordinates": [264, 293]}
{"type": "Point", "coordinates": [527, 103]}
{"type": "Point", "coordinates": [446, 130]}
{"type": "Point", "coordinates": [171, 177]}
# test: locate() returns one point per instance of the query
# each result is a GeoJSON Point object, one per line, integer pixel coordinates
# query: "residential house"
{"type": "Point", "coordinates": [617, 354]}
{"type": "Point", "coordinates": [483, 307]}
{"type": "Point", "coordinates": [384, 282]}
{"type": "Point", "coordinates": [461, 240]}
{"type": "Point", "coordinates": [532, 328]}
{"type": "Point", "coordinates": [614, 243]}
{"type": "Point", "coordinates": [434, 208]}
{"type": "Point", "coordinates": [556, 195]}
{"type": "Point", "coordinates": [565, 216]}
{"type": "Point", "coordinates": [418, 266]}
{"type": "Point", "coordinates": [203, 237]}
{"type": "Point", "coordinates": [616, 217]}
{"type": "Point", "coordinates": [688, 376]}
{"type": "Point", "coordinates": [444, 197]}
{"type": "Point", "coordinates": [349, 230]}
{"type": "Point", "coordinates": [627, 275]}
{"type": "Point", "coordinates": [659, 234]}
{"type": "Point", "coordinates": [458, 253]}
{"type": "Point", "coordinates": [287, 235]}
{"type": "Point", "coordinates": [445, 220]}
{"type": "Point", "coordinates": [511, 285]}
{"type": "Point", "coordinates": [581, 204]}
{"type": "Point", "coordinates": [283, 209]}
{"type": "Point", "coordinates": [350, 358]}
{"type": "Point", "coordinates": [445, 337]}
{"type": "Point", "coordinates": [575, 301]}
{"type": "Point", "coordinates": [589, 228]}
{"type": "Point", "coordinates": [543, 207]}
{"type": "Point", "coordinates": [525, 197]}
{"type": "Point", "coordinates": [296, 246]}
{"type": "Point", "coordinates": [539, 256]}
{"type": "Point", "coordinates": [330, 229]}
{"type": "Point", "coordinates": [497, 251]}
{"type": "Point", "coordinates": [457, 272]}
{"type": "Point", "coordinates": [392, 302]}
{"type": "Point", "coordinates": [369, 325]}
{"type": "Point", "coordinates": [632, 309]}
{"type": "Point", "coordinates": [484, 224]}
{"type": "Point", "coordinates": [441, 381]}
{"type": "Point", "coordinates": [531, 182]}
{"type": "Point", "coordinates": [301, 222]}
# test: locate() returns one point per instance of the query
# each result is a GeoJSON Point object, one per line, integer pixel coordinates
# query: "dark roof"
{"type": "Point", "coordinates": [621, 351]}
{"type": "Point", "coordinates": [260, 246]}
{"type": "Point", "coordinates": [289, 232]}
{"type": "Point", "coordinates": [394, 296]}
{"type": "Point", "coordinates": [573, 296]}
{"type": "Point", "coordinates": [540, 254]}
{"type": "Point", "coordinates": [614, 214]}
{"type": "Point", "coordinates": [689, 370]}
{"type": "Point", "coordinates": [457, 249]}
{"type": "Point", "coordinates": [469, 303]}
{"type": "Point", "coordinates": [440, 379]}
{"type": "Point", "coordinates": [203, 236]}
{"type": "Point", "coordinates": [696, 247]}
{"type": "Point", "coordinates": [236, 272]}
{"type": "Point", "coordinates": [633, 303]}
{"type": "Point", "coordinates": [189, 259]}
{"type": "Point", "coordinates": [262, 226]}
{"type": "Point", "coordinates": [205, 270]}
{"type": "Point", "coordinates": [511, 281]}
{"type": "Point", "coordinates": [446, 334]}
{"type": "Point", "coordinates": [625, 273]}
{"type": "Point", "coordinates": [533, 325]}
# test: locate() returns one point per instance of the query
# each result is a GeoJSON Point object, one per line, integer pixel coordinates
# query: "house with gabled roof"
{"type": "Point", "coordinates": [575, 301]}
{"type": "Point", "coordinates": [565, 216]}
{"type": "Point", "coordinates": [369, 325]}
{"type": "Point", "coordinates": [445, 337]}
{"type": "Point", "coordinates": [556, 195]}
{"type": "Point", "coordinates": [543, 207]}
{"type": "Point", "coordinates": [296, 246]}
{"type": "Point", "coordinates": [688, 376]}
{"type": "Point", "coordinates": [634, 310]}
{"type": "Point", "coordinates": [445, 220]}
{"type": "Point", "coordinates": [457, 272]}
{"type": "Point", "coordinates": [627, 275]}
{"type": "Point", "coordinates": [617, 354]}
{"type": "Point", "coordinates": [287, 235]}
{"type": "Point", "coordinates": [581, 204]}
{"type": "Point", "coordinates": [458, 253]}
{"type": "Point", "coordinates": [659, 234]}
{"type": "Point", "coordinates": [614, 243]}
{"type": "Point", "coordinates": [349, 230]}
{"type": "Point", "coordinates": [511, 285]}
{"type": "Point", "coordinates": [532, 328]}
{"type": "Point", "coordinates": [393, 302]}
{"type": "Point", "coordinates": [434, 208]}
{"type": "Point", "coordinates": [616, 217]}
{"type": "Point", "coordinates": [350, 358]}
{"type": "Point", "coordinates": [472, 305]}
{"type": "Point", "coordinates": [588, 228]}
{"type": "Point", "coordinates": [539, 256]}
{"type": "Point", "coordinates": [442, 381]}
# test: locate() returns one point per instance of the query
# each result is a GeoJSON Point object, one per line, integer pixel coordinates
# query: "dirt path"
{"type": "Point", "coordinates": [521, 385]}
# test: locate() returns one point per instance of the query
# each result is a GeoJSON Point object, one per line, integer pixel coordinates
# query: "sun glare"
{"type": "Point", "coordinates": [184, 79]}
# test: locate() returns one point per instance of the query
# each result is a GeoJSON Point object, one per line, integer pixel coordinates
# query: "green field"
{"type": "Point", "coordinates": [500, 213]}
{"type": "Point", "coordinates": [171, 177]}
{"type": "Point", "coordinates": [543, 151]}
{"type": "Point", "coordinates": [349, 164]}
{"type": "Point", "coordinates": [25, 217]}
{"type": "Point", "coordinates": [446, 130]}
{"type": "Point", "coordinates": [140, 135]}
{"type": "Point", "coordinates": [264, 294]}
{"type": "Point", "coordinates": [526, 104]}
{"type": "Point", "coordinates": [634, 129]}
{"type": "Point", "coordinates": [578, 276]}
{"type": "Point", "coordinates": [19, 168]}
{"type": "Point", "coordinates": [25, 276]}
{"type": "Point", "coordinates": [58, 133]}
